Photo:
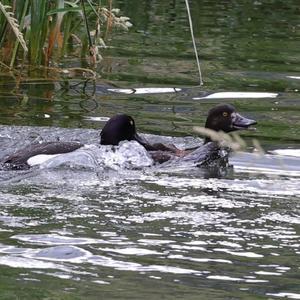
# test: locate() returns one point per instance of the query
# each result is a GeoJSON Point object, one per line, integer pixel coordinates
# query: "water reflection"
{"type": "Point", "coordinates": [165, 225]}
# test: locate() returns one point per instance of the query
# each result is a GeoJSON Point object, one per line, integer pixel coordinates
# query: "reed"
{"type": "Point", "coordinates": [32, 31]}
{"type": "Point", "coordinates": [232, 141]}
{"type": "Point", "coordinates": [37, 30]}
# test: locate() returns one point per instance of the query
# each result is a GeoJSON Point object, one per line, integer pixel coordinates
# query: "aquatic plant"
{"type": "Point", "coordinates": [14, 24]}
{"type": "Point", "coordinates": [46, 29]}
{"type": "Point", "coordinates": [232, 140]}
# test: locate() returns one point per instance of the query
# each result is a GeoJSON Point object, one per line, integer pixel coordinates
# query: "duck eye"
{"type": "Point", "coordinates": [131, 122]}
{"type": "Point", "coordinates": [225, 114]}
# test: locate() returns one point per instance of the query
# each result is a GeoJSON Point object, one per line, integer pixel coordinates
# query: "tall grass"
{"type": "Point", "coordinates": [37, 31]}
{"type": "Point", "coordinates": [31, 31]}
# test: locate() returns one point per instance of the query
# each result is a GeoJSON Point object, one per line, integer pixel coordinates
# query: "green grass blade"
{"type": "Point", "coordinates": [38, 30]}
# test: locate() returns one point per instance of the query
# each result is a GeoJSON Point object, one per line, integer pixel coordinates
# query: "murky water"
{"type": "Point", "coordinates": [118, 231]}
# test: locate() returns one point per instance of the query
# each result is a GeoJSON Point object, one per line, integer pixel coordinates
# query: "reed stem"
{"type": "Point", "coordinates": [193, 39]}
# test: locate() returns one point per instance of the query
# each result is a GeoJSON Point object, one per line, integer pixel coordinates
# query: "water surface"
{"type": "Point", "coordinates": [77, 232]}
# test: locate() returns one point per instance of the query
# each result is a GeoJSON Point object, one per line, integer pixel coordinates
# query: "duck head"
{"type": "Point", "coordinates": [225, 118]}
{"type": "Point", "coordinates": [119, 128]}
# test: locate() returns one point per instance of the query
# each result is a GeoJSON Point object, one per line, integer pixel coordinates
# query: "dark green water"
{"type": "Point", "coordinates": [73, 233]}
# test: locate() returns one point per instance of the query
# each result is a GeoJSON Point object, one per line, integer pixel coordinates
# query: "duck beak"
{"type": "Point", "coordinates": [241, 123]}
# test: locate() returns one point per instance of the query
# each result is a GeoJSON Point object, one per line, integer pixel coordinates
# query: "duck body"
{"type": "Point", "coordinates": [220, 118]}
{"type": "Point", "coordinates": [202, 156]}
{"type": "Point", "coordinates": [118, 128]}
{"type": "Point", "coordinates": [122, 127]}
{"type": "Point", "coordinates": [31, 155]}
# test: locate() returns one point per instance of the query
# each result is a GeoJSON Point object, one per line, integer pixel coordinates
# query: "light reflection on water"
{"type": "Point", "coordinates": [74, 224]}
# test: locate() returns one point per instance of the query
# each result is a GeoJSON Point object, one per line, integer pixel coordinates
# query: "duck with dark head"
{"type": "Point", "coordinates": [220, 118]}
{"type": "Point", "coordinates": [122, 127]}
{"type": "Point", "coordinates": [225, 118]}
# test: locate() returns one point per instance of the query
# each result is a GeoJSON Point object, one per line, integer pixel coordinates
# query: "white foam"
{"type": "Point", "coordinates": [81, 157]}
{"type": "Point", "coordinates": [127, 155]}
{"type": "Point", "coordinates": [40, 158]}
